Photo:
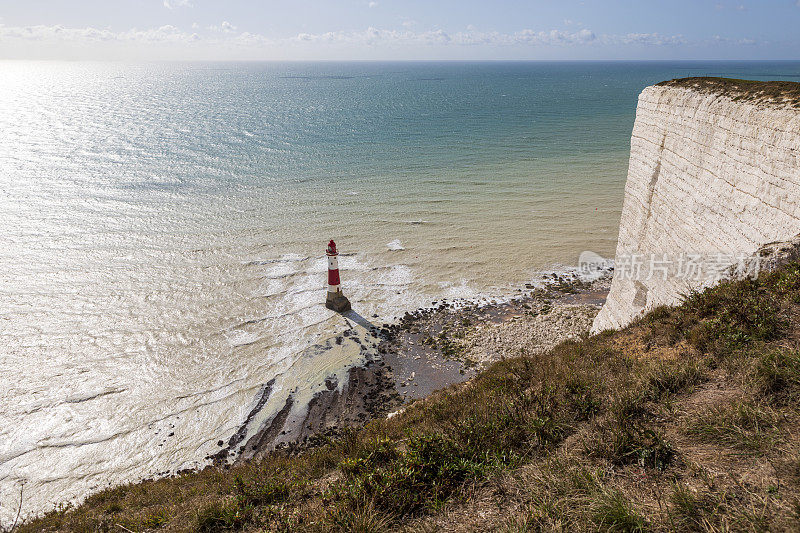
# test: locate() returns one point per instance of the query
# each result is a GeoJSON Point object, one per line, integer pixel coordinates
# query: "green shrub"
{"type": "Point", "coordinates": [733, 315]}
{"type": "Point", "coordinates": [426, 473]}
{"type": "Point", "coordinates": [786, 282]}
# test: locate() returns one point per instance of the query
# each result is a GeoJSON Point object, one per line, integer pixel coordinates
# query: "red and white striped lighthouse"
{"type": "Point", "coordinates": [334, 283]}
{"type": "Point", "coordinates": [335, 300]}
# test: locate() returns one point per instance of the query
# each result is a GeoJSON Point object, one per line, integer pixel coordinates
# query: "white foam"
{"type": "Point", "coordinates": [462, 290]}
{"type": "Point", "coordinates": [396, 276]}
{"type": "Point", "coordinates": [238, 337]}
{"type": "Point", "coordinates": [592, 268]}
{"type": "Point", "coordinates": [395, 245]}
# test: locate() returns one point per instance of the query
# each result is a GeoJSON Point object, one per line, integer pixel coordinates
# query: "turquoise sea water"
{"type": "Point", "coordinates": [163, 230]}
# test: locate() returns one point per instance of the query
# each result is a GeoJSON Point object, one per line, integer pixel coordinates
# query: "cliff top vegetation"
{"type": "Point", "coordinates": [773, 92]}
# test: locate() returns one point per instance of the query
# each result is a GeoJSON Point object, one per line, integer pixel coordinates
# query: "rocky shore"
{"type": "Point", "coordinates": [426, 350]}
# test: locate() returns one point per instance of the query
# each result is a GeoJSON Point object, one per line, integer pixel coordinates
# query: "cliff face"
{"type": "Point", "coordinates": [714, 174]}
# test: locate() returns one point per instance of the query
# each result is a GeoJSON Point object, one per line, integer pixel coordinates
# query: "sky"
{"type": "Point", "coordinates": [399, 29]}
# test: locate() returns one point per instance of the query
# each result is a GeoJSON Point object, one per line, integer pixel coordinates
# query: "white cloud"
{"type": "Point", "coordinates": [172, 4]}
{"type": "Point", "coordinates": [648, 39]}
{"type": "Point", "coordinates": [727, 41]}
{"type": "Point", "coordinates": [373, 36]}
{"type": "Point", "coordinates": [554, 37]}
{"type": "Point", "coordinates": [226, 40]}
{"type": "Point", "coordinates": [372, 4]}
{"type": "Point", "coordinates": [57, 33]}
{"type": "Point", "coordinates": [225, 27]}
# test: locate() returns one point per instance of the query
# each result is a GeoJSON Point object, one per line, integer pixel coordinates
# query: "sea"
{"type": "Point", "coordinates": [163, 229]}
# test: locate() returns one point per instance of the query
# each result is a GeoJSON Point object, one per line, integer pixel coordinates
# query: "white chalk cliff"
{"type": "Point", "coordinates": [714, 174]}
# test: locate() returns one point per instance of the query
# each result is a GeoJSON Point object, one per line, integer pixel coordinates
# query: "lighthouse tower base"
{"type": "Point", "coordinates": [336, 301]}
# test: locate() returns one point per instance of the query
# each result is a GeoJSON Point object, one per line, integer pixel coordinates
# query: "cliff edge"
{"type": "Point", "coordinates": [714, 174]}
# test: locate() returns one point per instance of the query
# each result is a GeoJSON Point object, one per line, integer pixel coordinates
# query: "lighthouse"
{"type": "Point", "coordinates": [335, 300]}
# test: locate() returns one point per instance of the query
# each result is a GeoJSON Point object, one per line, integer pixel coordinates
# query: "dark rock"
{"type": "Point", "coordinates": [338, 303]}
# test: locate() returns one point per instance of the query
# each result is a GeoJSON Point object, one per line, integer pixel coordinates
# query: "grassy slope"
{"type": "Point", "coordinates": [686, 420]}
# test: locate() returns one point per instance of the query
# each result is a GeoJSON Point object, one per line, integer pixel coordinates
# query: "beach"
{"type": "Point", "coordinates": [427, 350]}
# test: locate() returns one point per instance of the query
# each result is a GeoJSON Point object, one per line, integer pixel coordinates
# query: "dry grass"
{"type": "Point", "coordinates": [686, 420]}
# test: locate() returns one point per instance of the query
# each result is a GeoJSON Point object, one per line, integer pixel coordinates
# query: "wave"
{"type": "Point", "coordinates": [286, 258]}
{"type": "Point", "coordinates": [242, 338]}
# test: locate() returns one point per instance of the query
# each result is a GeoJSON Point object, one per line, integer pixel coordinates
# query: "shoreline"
{"type": "Point", "coordinates": [425, 350]}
